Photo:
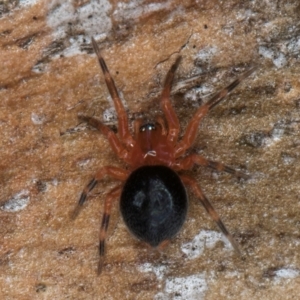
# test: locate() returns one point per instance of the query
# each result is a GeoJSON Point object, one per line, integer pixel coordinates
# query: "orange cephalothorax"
{"type": "Point", "coordinates": [151, 146]}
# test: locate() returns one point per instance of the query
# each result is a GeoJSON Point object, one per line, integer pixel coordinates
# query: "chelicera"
{"type": "Point", "coordinates": [153, 199]}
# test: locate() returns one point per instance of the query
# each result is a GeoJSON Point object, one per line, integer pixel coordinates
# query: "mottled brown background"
{"type": "Point", "coordinates": [46, 158]}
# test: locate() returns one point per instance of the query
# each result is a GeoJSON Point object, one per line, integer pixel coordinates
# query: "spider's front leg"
{"type": "Point", "coordinates": [189, 161]}
{"type": "Point", "coordinates": [122, 116]}
{"type": "Point", "coordinates": [114, 172]}
{"type": "Point", "coordinates": [192, 183]}
{"type": "Point", "coordinates": [172, 119]}
{"type": "Point", "coordinates": [192, 128]}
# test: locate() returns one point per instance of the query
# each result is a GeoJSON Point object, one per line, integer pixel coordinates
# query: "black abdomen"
{"type": "Point", "coordinates": [154, 204]}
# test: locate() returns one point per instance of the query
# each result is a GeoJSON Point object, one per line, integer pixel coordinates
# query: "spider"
{"type": "Point", "coordinates": [153, 199]}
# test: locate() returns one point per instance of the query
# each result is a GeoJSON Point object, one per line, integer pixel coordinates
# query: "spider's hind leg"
{"type": "Point", "coordinates": [192, 183]}
{"type": "Point", "coordinates": [112, 195]}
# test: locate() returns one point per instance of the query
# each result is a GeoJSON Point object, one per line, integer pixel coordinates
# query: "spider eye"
{"type": "Point", "coordinates": [147, 127]}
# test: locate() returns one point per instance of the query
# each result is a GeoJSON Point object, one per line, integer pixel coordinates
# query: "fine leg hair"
{"type": "Point", "coordinates": [112, 138]}
{"type": "Point", "coordinates": [172, 119]}
{"type": "Point", "coordinates": [192, 128]}
{"type": "Point", "coordinates": [192, 183]}
{"type": "Point", "coordinates": [114, 172]}
{"type": "Point", "coordinates": [122, 116]}
{"type": "Point", "coordinates": [112, 195]}
{"type": "Point", "coordinates": [189, 161]}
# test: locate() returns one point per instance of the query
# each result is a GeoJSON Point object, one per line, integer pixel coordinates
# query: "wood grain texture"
{"type": "Point", "coordinates": [47, 159]}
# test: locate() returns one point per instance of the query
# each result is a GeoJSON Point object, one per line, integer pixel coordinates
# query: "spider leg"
{"type": "Point", "coordinates": [162, 124]}
{"type": "Point", "coordinates": [172, 119]}
{"type": "Point", "coordinates": [163, 245]}
{"type": "Point", "coordinates": [122, 116]}
{"type": "Point", "coordinates": [112, 138]}
{"type": "Point", "coordinates": [188, 162]}
{"type": "Point", "coordinates": [114, 172]}
{"type": "Point", "coordinates": [113, 194]}
{"type": "Point", "coordinates": [210, 209]}
{"type": "Point", "coordinates": [192, 128]}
